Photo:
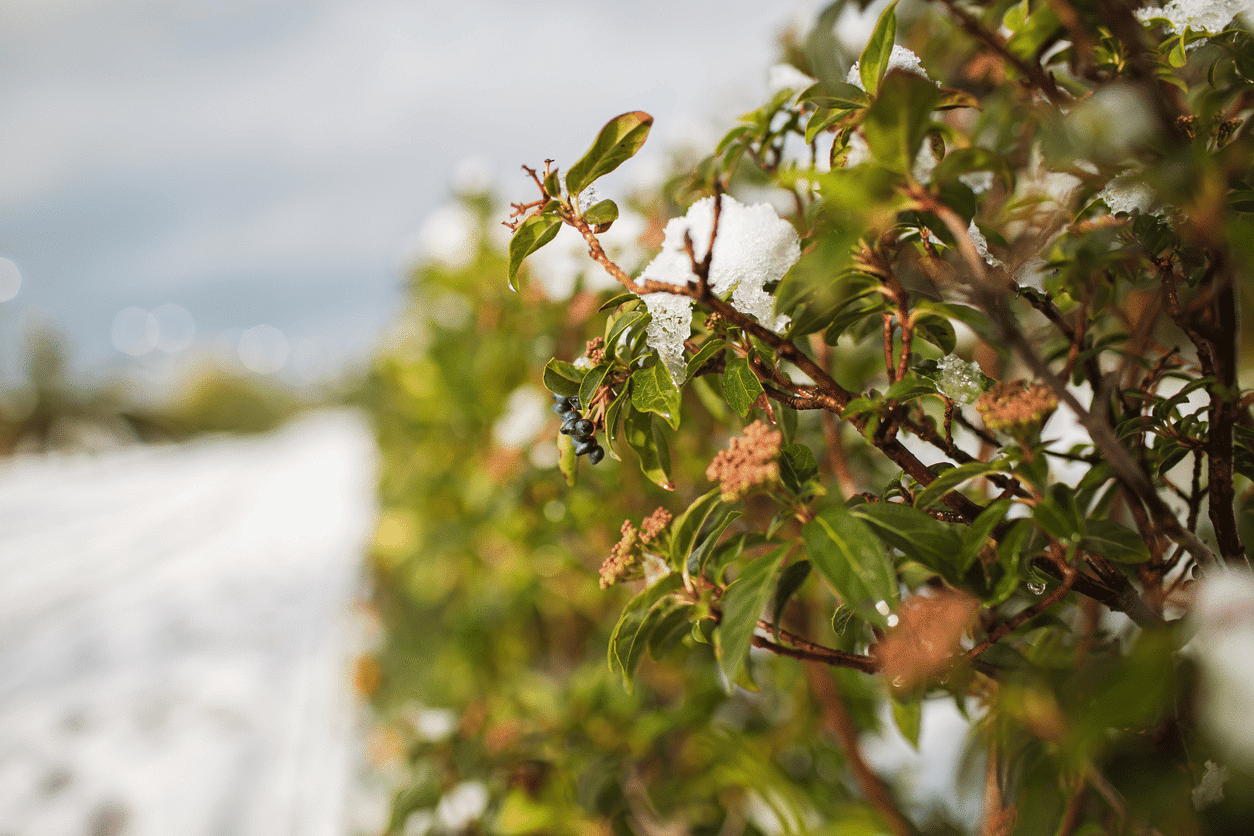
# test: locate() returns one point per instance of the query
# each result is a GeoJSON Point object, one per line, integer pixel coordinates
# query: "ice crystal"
{"type": "Point", "coordinates": [1210, 16]}
{"type": "Point", "coordinates": [960, 381]}
{"type": "Point", "coordinates": [1210, 790]}
{"type": "Point", "coordinates": [1129, 192]}
{"type": "Point", "coordinates": [981, 245]}
{"type": "Point", "coordinates": [900, 59]}
{"type": "Point", "coordinates": [754, 248]}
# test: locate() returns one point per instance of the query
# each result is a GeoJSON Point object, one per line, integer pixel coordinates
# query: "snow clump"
{"type": "Point", "coordinates": [1128, 192]}
{"type": "Point", "coordinates": [900, 59]}
{"type": "Point", "coordinates": [1223, 644]}
{"type": "Point", "coordinates": [1211, 16]}
{"type": "Point", "coordinates": [754, 247]}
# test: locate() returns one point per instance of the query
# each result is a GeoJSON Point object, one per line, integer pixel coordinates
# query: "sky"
{"type": "Point", "coordinates": [243, 176]}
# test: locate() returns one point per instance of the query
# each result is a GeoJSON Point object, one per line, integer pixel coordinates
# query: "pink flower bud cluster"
{"type": "Point", "coordinates": [750, 461]}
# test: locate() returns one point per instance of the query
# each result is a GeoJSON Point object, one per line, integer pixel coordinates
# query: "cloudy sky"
{"type": "Point", "coordinates": [231, 164]}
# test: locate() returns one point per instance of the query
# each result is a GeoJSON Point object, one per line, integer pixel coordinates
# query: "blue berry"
{"type": "Point", "coordinates": [568, 426]}
{"type": "Point", "coordinates": [596, 454]}
{"type": "Point", "coordinates": [585, 445]}
{"type": "Point", "coordinates": [584, 428]}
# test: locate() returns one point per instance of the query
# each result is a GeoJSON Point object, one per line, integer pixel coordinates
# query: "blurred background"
{"type": "Point", "coordinates": [247, 183]}
{"type": "Point", "coordinates": [233, 217]}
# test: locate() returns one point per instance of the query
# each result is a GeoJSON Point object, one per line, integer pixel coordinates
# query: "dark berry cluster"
{"type": "Point", "coordinates": [578, 427]}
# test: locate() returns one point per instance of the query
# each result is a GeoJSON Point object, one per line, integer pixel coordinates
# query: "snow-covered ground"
{"type": "Point", "coordinates": [176, 635]}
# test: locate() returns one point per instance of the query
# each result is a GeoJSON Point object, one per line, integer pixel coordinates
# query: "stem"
{"type": "Point", "coordinates": [1069, 577]}
{"type": "Point", "coordinates": [997, 44]}
{"type": "Point", "coordinates": [838, 722]}
{"type": "Point", "coordinates": [808, 651]}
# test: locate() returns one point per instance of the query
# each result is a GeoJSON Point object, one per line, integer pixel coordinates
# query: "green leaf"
{"type": "Point", "coordinates": [1177, 57]}
{"type": "Point", "coordinates": [937, 330]}
{"type": "Point", "coordinates": [966, 160]}
{"type": "Point", "coordinates": [592, 381]}
{"type": "Point", "coordinates": [646, 440]}
{"type": "Point", "coordinates": [1114, 542]}
{"type": "Point", "coordinates": [743, 603]}
{"type": "Point", "coordinates": [873, 63]}
{"type": "Point", "coordinates": [1009, 552]}
{"type": "Point", "coordinates": [908, 389]}
{"type": "Point", "coordinates": [920, 537]}
{"type": "Point", "coordinates": [601, 213]}
{"type": "Point", "coordinates": [706, 544]}
{"type": "Point", "coordinates": [617, 142]}
{"type": "Point", "coordinates": [562, 378]}
{"type": "Point", "coordinates": [616, 326]}
{"type": "Point", "coordinates": [797, 466]}
{"type": "Point", "coordinates": [898, 120]}
{"type": "Point", "coordinates": [741, 387]}
{"type": "Point", "coordinates": [670, 628]}
{"type": "Point", "coordinates": [567, 461]}
{"type": "Point", "coordinates": [846, 552]}
{"type": "Point", "coordinates": [908, 717]}
{"type": "Point", "coordinates": [611, 421]}
{"type": "Point", "coordinates": [708, 351]}
{"type": "Point", "coordinates": [977, 535]}
{"type": "Point", "coordinates": [790, 580]}
{"type": "Point", "coordinates": [630, 636]}
{"type": "Point", "coordinates": [652, 390]}
{"type": "Point", "coordinates": [952, 478]}
{"type": "Point", "coordinates": [687, 525]}
{"type": "Point", "coordinates": [1058, 516]}
{"type": "Point", "coordinates": [820, 120]}
{"type": "Point", "coordinates": [616, 301]}
{"type": "Point", "coordinates": [552, 184]}
{"type": "Point", "coordinates": [531, 235]}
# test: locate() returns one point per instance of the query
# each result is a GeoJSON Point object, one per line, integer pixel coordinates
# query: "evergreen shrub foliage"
{"type": "Point", "coordinates": [927, 393]}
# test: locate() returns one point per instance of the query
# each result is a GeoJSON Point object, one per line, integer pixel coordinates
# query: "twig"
{"type": "Point", "coordinates": [838, 722]}
{"type": "Point", "coordinates": [1011, 624]}
{"type": "Point", "coordinates": [807, 651]}
{"type": "Point", "coordinates": [997, 44]}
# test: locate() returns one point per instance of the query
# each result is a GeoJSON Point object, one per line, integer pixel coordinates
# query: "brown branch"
{"type": "Point", "coordinates": [827, 394]}
{"type": "Point", "coordinates": [837, 721]}
{"type": "Point", "coordinates": [1059, 592]}
{"type": "Point", "coordinates": [994, 41]}
{"type": "Point", "coordinates": [890, 367]}
{"type": "Point", "coordinates": [1224, 406]}
{"type": "Point", "coordinates": [807, 651]}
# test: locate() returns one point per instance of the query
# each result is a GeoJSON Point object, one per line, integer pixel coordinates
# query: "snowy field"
{"type": "Point", "coordinates": [176, 628]}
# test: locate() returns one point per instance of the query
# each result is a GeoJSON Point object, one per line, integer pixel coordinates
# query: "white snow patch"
{"type": "Point", "coordinates": [900, 59]}
{"type": "Point", "coordinates": [1128, 192]}
{"type": "Point", "coordinates": [755, 247]}
{"type": "Point", "coordinates": [1211, 16]}
{"type": "Point", "coordinates": [174, 634]}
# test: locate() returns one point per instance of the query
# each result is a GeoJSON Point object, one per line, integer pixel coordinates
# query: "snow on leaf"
{"type": "Point", "coordinates": [754, 248]}
{"type": "Point", "coordinates": [900, 59]}
{"type": "Point", "coordinates": [981, 245]}
{"type": "Point", "coordinates": [1128, 192]}
{"type": "Point", "coordinates": [1210, 16]}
